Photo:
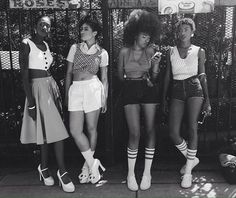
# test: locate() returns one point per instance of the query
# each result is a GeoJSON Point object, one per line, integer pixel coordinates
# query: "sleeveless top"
{"type": "Point", "coordinates": [187, 67]}
{"type": "Point", "coordinates": [86, 62]}
{"type": "Point", "coordinates": [132, 65]}
{"type": "Point", "coordinates": [39, 59]}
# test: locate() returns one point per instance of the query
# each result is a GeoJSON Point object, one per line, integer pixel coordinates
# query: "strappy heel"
{"type": "Point", "coordinates": [84, 175]}
{"type": "Point", "coordinates": [70, 187]}
{"type": "Point", "coordinates": [49, 181]}
{"type": "Point", "coordinates": [95, 175]}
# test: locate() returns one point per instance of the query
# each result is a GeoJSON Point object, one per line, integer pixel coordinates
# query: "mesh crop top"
{"type": "Point", "coordinates": [39, 59]}
{"type": "Point", "coordinates": [132, 65]}
{"type": "Point", "coordinates": [187, 67]}
{"type": "Point", "coordinates": [85, 59]}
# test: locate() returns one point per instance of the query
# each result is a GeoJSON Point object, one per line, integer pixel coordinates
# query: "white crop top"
{"type": "Point", "coordinates": [39, 59]}
{"type": "Point", "coordinates": [187, 67]}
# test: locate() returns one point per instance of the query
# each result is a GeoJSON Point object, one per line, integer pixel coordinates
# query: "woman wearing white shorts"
{"type": "Point", "coordinates": [86, 95]}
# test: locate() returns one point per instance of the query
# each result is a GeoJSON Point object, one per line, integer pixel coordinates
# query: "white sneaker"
{"type": "Point", "coordinates": [146, 182]}
{"type": "Point", "coordinates": [186, 181]}
{"type": "Point", "coordinates": [195, 163]}
{"type": "Point", "coordinates": [132, 183]}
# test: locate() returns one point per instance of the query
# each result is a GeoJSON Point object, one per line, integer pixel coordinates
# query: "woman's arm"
{"type": "Point", "coordinates": [24, 67]}
{"type": "Point", "coordinates": [121, 64]}
{"type": "Point", "coordinates": [155, 59]}
{"type": "Point", "coordinates": [203, 80]}
{"type": "Point", "coordinates": [68, 80]}
{"type": "Point", "coordinates": [104, 79]}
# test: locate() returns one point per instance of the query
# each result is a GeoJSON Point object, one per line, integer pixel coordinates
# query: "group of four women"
{"type": "Point", "coordinates": [86, 95]}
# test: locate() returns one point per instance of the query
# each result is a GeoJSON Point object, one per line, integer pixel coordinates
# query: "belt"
{"type": "Point", "coordinates": [135, 78]}
{"type": "Point", "coordinates": [38, 73]}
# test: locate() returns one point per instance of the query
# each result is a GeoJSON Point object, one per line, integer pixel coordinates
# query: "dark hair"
{"type": "Point", "coordinates": [91, 20]}
{"type": "Point", "coordinates": [186, 21]}
{"type": "Point", "coordinates": [141, 21]}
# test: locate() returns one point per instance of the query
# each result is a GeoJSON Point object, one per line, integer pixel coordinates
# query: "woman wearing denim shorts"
{"type": "Point", "coordinates": [189, 93]}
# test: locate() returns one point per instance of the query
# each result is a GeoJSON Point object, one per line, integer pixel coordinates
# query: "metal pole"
{"type": "Point", "coordinates": [109, 116]}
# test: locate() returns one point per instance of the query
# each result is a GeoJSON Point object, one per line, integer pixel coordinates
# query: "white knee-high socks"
{"type": "Point", "coordinates": [149, 154]}
{"type": "Point", "coordinates": [132, 156]}
{"type": "Point", "coordinates": [190, 155]}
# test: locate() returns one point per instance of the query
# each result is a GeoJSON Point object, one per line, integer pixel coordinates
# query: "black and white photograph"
{"type": "Point", "coordinates": [117, 98]}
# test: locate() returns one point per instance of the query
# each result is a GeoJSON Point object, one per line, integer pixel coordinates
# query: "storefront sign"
{"type": "Point", "coordinates": [185, 6]}
{"type": "Point", "coordinates": [132, 3]}
{"type": "Point", "coordinates": [62, 4]}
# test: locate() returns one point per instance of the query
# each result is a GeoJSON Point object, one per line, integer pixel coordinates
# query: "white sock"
{"type": "Point", "coordinates": [132, 156]}
{"type": "Point", "coordinates": [88, 156]}
{"type": "Point", "coordinates": [182, 148]}
{"type": "Point", "coordinates": [191, 154]}
{"type": "Point", "coordinates": [149, 154]}
{"type": "Point", "coordinates": [85, 163]}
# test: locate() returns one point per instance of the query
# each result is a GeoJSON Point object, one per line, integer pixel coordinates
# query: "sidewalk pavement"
{"type": "Point", "coordinates": [208, 182]}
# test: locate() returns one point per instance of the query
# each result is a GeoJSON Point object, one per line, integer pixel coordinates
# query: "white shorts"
{"type": "Point", "coordinates": [86, 95]}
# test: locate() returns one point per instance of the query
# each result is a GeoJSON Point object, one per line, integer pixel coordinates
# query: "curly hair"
{"type": "Point", "coordinates": [91, 20]}
{"type": "Point", "coordinates": [186, 21]}
{"type": "Point", "coordinates": [141, 21]}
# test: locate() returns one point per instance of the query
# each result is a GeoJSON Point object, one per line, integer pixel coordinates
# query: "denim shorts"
{"type": "Point", "coordinates": [188, 88]}
{"type": "Point", "coordinates": [138, 92]}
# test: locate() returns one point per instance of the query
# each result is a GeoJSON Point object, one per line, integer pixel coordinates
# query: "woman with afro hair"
{"type": "Point", "coordinates": [138, 68]}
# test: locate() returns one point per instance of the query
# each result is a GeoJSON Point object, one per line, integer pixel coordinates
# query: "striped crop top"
{"type": "Point", "coordinates": [85, 61]}
{"type": "Point", "coordinates": [183, 68]}
{"type": "Point", "coordinates": [39, 59]}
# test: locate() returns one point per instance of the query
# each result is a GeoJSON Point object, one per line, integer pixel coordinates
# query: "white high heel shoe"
{"type": "Point", "coordinates": [84, 175]}
{"type": "Point", "coordinates": [70, 187]}
{"type": "Point", "coordinates": [49, 181]}
{"type": "Point", "coordinates": [95, 175]}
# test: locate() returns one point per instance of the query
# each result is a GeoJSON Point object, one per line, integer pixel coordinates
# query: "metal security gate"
{"type": "Point", "coordinates": [215, 33]}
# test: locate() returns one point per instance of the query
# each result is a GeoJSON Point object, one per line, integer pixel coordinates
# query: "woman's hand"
{"type": "Point", "coordinates": [206, 108]}
{"type": "Point", "coordinates": [32, 111]}
{"type": "Point", "coordinates": [156, 58]}
{"type": "Point", "coordinates": [164, 107]}
{"type": "Point", "coordinates": [104, 108]}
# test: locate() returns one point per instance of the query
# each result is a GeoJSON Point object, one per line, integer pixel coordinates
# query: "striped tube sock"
{"type": "Point", "coordinates": [132, 156]}
{"type": "Point", "coordinates": [191, 154]}
{"type": "Point", "coordinates": [182, 148]}
{"type": "Point", "coordinates": [149, 154]}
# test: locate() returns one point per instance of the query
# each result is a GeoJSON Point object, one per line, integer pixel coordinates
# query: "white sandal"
{"type": "Point", "coordinates": [84, 175]}
{"type": "Point", "coordinates": [95, 175]}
